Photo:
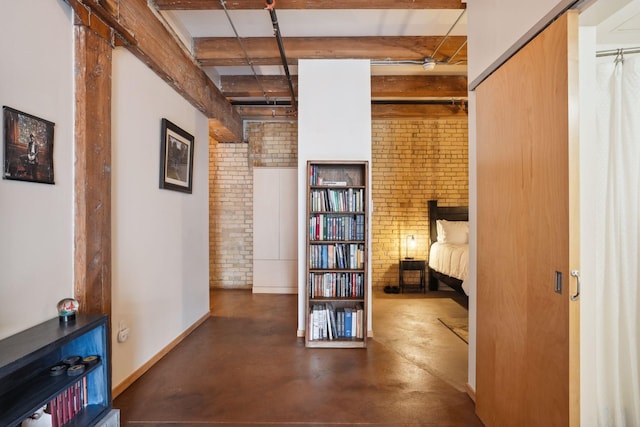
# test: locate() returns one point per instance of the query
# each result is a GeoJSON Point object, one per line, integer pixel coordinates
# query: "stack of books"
{"type": "Point", "coordinates": [330, 323]}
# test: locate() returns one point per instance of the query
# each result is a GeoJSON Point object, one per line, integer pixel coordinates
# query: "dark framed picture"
{"type": "Point", "coordinates": [28, 147]}
{"type": "Point", "coordinates": [176, 158]}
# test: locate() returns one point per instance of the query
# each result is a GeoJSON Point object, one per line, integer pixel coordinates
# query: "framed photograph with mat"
{"type": "Point", "coordinates": [28, 147]}
{"type": "Point", "coordinates": [176, 158]}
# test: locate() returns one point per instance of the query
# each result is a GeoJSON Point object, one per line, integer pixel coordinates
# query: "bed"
{"type": "Point", "coordinates": [449, 246]}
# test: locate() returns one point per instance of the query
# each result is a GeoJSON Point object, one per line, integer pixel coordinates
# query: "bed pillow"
{"type": "Point", "coordinates": [453, 232]}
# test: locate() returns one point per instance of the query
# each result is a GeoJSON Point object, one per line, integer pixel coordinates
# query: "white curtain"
{"type": "Point", "coordinates": [618, 236]}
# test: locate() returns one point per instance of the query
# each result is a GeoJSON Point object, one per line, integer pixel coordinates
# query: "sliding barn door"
{"type": "Point", "coordinates": [526, 328]}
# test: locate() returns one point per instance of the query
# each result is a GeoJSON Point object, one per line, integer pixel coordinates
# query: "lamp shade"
{"type": "Point", "coordinates": [410, 244]}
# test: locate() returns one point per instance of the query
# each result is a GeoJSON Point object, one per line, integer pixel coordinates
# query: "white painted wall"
{"type": "Point", "coordinates": [36, 220]}
{"type": "Point", "coordinates": [160, 237]}
{"type": "Point", "coordinates": [334, 123]}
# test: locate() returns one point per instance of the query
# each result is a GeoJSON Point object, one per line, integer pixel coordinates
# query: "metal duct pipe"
{"type": "Point", "coordinates": [276, 29]}
{"type": "Point", "coordinates": [223, 3]}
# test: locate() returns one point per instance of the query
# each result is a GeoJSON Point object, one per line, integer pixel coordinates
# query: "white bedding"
{"type": "Point", "coordinates": [450, 259]}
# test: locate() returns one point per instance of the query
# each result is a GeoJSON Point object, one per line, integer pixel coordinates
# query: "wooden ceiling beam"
{"type": "Point", "coordinates": [417, 111]}
{"type": "Point", "coordinates": [381, 86]}
{"type": "Point", "coordinates": [161, 52]}
{"type": "Point", "coordinates": [145, 36]}
{"type": "Point", "coordinates": [419, 86]}
{"type": "Point", "coordinates": [250, 87]}
{"type": "Point", "coordinates": [249, 112]}
{"type": "Point", "coordinates": [310, 4]}
{"type": "Point", "coordinates": [226, 51]}
{"type": "Point", "coordinates": [378, 112]}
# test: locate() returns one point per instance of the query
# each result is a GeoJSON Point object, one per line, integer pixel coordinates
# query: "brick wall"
{"type": "Point", "coordinates": [230, 216]}
{"type": "Point", "coordinates": [273, 144]}
{"type": "Point", "coordinates": [413, 162]}
{"type": "Point", "coordinates": [231, 197]}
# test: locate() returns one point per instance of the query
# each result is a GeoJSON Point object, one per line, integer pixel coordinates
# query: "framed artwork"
{"type": "Point", "coordinates": [28, 147]}
{"type": "Point", "coordinates": [176, 158]}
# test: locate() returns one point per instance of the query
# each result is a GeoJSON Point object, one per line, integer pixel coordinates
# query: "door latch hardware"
{"type": "Point", "coordinates": [558, 285]}
{"type": "Point", "coordinates": [576, 274]}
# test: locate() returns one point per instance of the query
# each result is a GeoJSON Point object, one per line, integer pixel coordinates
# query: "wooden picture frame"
{"type": "Point", "coordinates": [176, 158]}
{"type": "Point", "coordinates": [28, 147]}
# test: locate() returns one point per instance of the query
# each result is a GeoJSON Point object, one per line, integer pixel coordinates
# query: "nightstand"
{"type": "Point", "coordinates": [413, 265]}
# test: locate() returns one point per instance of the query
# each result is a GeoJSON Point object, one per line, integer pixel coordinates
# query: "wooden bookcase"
{"type": "Point", "coordinates": [337, 254]}
{"type": "Point", "coordinates": [26, 381]}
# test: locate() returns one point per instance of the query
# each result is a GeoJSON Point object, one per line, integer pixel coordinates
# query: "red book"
{"type": "Point", "coordinates": [53, 410]}
{"type": "Point", "coordinates": [63, 402]}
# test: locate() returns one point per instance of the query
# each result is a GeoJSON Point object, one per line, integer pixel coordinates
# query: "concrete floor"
{"type": "Point", "coordinates": [245, 367]}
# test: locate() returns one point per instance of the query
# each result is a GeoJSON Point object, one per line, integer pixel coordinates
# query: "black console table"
{"type": "Point", "coordinates": [413, 265]}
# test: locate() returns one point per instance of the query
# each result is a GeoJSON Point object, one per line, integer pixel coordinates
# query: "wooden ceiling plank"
{"type": "Point", "coordinates": [381, 86]}
{"type": "Point", "coordinates": [310, 4]}
{"type": "Point", "coordinates": [226, 51]}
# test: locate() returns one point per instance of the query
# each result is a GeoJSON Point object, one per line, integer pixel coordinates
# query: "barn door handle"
{"type": "Point", "coordinates": [576, 274]}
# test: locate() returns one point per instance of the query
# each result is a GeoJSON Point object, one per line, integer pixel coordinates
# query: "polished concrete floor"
{"type": "Point", "coordinates": [245, 367]}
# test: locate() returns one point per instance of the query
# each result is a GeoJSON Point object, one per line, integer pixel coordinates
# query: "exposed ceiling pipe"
{"type": "Point", "coordinates": [270, 6]}
{"type": "Point", "coordinates": [456, 52]}
{"type": "Point", "coordinates": [223, 3]}
{"type": "Point", "coordinates": [428, 63]}
{"type": "Point", "coordinates": [433, 55]}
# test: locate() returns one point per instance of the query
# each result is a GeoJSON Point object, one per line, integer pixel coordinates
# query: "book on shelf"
{"type": "Point", "coordinates": [336, 227]}
{"type": "Point", "coordinates": [330, 323]}
{"type": "Point", "coordinates": [347, 256]}
{"type": "Point", "coordinates": [359, 325]}
{"type": "Point", "coordinates": [336, 285]}
{"type": "Point", "coordinates": [337, 200]}
{"type": "Point", "coordinates": [68, 403]}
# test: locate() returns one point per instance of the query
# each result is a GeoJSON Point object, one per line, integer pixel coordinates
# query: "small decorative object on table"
{"type": "Point", "coordinates": [67, 309]}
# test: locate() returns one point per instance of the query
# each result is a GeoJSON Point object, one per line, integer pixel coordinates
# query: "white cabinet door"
{"type": "Point", "coordinates": [266, 211]}
{"type": "Point", "coordinates": [275, 235]}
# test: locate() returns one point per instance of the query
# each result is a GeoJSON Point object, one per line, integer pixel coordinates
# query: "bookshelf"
{"type": "Point", "coordinates": [27, 382]}
{"type": "Point", "coordinates": [337, 254]}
